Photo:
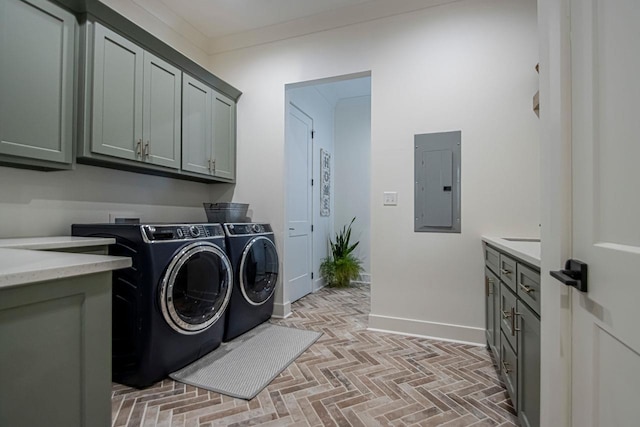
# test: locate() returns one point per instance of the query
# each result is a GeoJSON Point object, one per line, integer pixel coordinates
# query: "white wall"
{"type": "Point", "coordinates": [352, 174]}
{"type": "Point", "coordinates": [468, 65]}
{"type": "Point", "coordinates": [37, 203]}
{"type": "Point", "coordinates": [164, 25]}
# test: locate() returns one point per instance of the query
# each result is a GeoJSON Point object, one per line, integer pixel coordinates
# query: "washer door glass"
{"type": "Point", "coordinates": [259, 270]}
{"type": "Point", "coordinates": [196, 288]}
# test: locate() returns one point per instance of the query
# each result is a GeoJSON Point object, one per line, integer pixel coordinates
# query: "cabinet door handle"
{"type": "Point", "coordinates": [506, 314]}
{"type": "Point", "coordinates": [146, 150]}
{"type": "Point", "coordinates": [209, 167]}
{"type": "Point", "coordinates": [139, 148]}
{"type": "Point", "coordinates": [505, 367]}
{"type": "Point", "coordinates": [487, 286]}
{"type": "Point", "coordinates": [514, 329]}
{"type": "Point", "coordinates": [505, 271]}
{"type": "Point", "coordinates": [214, 166]}
{"type": "Point", "coordinates": [526, 288]}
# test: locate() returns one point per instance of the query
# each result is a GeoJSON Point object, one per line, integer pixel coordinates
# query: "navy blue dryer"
{"type": "Point", "coordinates": [169, 307]}
{"type": "Point", "coordinates": [253, 255]}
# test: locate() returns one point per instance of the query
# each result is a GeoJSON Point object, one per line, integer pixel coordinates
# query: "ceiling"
{"type": "Point", "coordinates": [221, 25]}
{"type": "Point", "coordinates": [217, 18]}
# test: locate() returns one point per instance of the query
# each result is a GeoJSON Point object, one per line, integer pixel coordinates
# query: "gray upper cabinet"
{"type": "Point", "coordinates": [116, 128]}
{"type": "Point", "coordinates": [135, 104]}
{"type": "Point", "coordinates": [208, 131]}
{"type": "Point", "coordinates": [161, 112]}
{"type": "Point", "coordinates": [37, 40]}
{"type": "Point", "coordinates": [224, 136]}
{"type": "Point", "coordinates": [196, 126]}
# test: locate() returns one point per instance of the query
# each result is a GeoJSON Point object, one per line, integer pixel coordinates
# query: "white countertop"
{"type": "Point", "coordinates": [22, 266]}
{"type": "Point", "coordinates": [527, 251]}
{"type": "Point", "coordinates": [54, 242]}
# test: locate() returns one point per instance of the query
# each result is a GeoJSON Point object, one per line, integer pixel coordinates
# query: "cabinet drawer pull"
{"type": "Point", "coordinates": [505, 271]}
{"type": "Point", "coordinates": [505, 367]}
{"type": "Point", "coordinates": [527, 289]}
{"type": "Point", "coordinates": [505, 314]}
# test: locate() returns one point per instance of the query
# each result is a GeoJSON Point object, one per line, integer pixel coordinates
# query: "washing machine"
{"type": "Point", "coordinates": [254, 258]}
{"type": "Point", "coordinates": [169, 306]}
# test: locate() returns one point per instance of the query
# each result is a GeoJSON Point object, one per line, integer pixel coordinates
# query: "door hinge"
{"type": "Point", "coordinates": [313, 134]}
{"type": "Point", "coordinates": [312, 274]}
{"type": "Point", "coordinates": [312, 228]}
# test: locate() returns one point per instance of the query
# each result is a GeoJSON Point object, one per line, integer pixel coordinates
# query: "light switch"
{"type": "Point", "coordinates": [390, 198]}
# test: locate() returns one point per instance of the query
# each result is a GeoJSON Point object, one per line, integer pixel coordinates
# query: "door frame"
{"type": "Point", "coordinates": [556, 209]}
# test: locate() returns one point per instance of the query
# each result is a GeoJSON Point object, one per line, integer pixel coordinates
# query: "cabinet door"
{"type": "Point", "coordinates": [36, 80]}
{"type": "Point", "coordinates": [224, 136]}
{"type": "Point", "coordinates": [117, 96]}
{"type": "Point", "coordinates": [492, 286]}
{"type": "Point", "coordinates": [497, 315]}
{"type": "Point", "coordinates": [528, 367]}
{"type": "Point", "coordinates": [161, 112]}
{"type": "Point", "coordinates": [509, 369]}
{"type": "Point", "coordinates": [196, 126]}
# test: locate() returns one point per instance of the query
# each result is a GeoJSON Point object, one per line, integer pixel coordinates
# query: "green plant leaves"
{"type": "Point", "coordinates": [341, 266]}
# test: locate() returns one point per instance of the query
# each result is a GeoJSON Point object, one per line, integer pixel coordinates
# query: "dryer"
{"type": "Point", "coordinates": [252, 251]}
{"type": "Point", "coordinates": [169, 306]}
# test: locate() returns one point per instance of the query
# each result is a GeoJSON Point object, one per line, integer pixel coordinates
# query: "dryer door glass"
{"type": "Point", "coordinates": [258, 270]}
{"type": "Point", "coordinates": [196, 288]}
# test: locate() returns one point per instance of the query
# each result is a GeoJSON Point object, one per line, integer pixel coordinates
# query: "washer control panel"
{"type": "Point", "coordinates": [167, 232]}
{"type": "Point", "coordinates": [243, 229]}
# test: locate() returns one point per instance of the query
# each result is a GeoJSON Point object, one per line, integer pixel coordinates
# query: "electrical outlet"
{"type": "Point", "coordinates": [124, 217]}
{"type": "Point", "coordinates": [390, 198]}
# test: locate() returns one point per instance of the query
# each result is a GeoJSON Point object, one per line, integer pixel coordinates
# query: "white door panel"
{"type": "Point", "coordinates": [299, 213]}
{"type": "Point", "coordinates": [606, 210]}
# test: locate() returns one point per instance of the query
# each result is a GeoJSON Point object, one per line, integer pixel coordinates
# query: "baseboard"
{"type": "Point", "coordinates": [281, 311]}
{"type": "Point", "coordinates": [317, 285]}
{"type": "Point", "coordinates": [432, 330]}
{"type": "Point", "coordinates": [363, 278]}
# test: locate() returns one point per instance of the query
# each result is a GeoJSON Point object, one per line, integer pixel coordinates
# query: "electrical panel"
{"type": "Point", "coordinates": [437, 182]}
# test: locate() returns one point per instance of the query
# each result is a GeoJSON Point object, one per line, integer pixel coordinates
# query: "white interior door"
{"type": "Point", "coordinates": [298, 266]}
{"type": "Point", "coordinates": [605, 54]}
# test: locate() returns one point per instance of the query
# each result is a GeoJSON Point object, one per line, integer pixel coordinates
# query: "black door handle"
{"type": "Point", "coordinates": [574, 274]}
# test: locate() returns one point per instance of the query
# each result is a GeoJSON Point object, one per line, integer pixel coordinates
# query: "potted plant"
{"type": "Point", "coordinates": [341, 266]}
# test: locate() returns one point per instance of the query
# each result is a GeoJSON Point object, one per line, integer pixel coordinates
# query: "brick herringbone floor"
{"type": "Point", "coordinates": [349, 377]}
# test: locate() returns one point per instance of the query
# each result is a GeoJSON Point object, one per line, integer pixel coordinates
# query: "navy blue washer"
{"type": "Point", "coordinates": [169, 307]}
{"type": "Point", "coordinates": [252, 251]}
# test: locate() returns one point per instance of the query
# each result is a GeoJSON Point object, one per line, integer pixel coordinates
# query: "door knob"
{"type": "Point", "coordinates": [574, 274]}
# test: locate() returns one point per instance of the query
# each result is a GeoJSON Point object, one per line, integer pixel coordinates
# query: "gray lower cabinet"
{"type": "Point", "coordinates": [513, 327]}
{"type": "Point", "coordinates": [528, 366]}
{"type": "Point", "coordinates": [135, 102]}
{"type": "Point", "coordinates": [208, 131]}
{"type": "Point", "coordinates": [55, 352]}
{"type": "Point", "coordinates": [37, 66]}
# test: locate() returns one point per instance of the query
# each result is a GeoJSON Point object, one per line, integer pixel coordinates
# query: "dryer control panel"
{"type": "Point", "coordinates": [166, 232]}
{"type": "Point", "coordinates": [243, 229]}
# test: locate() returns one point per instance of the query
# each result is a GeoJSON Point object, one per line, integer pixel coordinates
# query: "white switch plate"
{"type": "Point", "coordinates": [390, 198]}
